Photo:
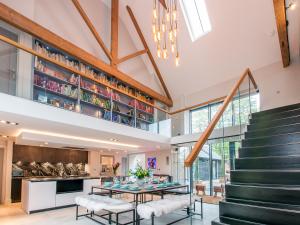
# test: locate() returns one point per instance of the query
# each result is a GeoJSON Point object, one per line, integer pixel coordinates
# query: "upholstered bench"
{"type": "Point", "coordinates": [96, 203]}
{"type": "Point", "coordinates": [164, 206]}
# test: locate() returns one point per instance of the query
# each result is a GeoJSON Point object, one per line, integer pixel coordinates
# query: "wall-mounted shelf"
{"type": "Point", "coordinates": [95, 94]}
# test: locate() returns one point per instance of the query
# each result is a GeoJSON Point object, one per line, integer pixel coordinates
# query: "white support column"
{"type": "Point", "coordinates": [24, 69]}
{"type": "Point", "coordinates": [94, 163]}
{"type": "Point", "coordinates": [7, 172]}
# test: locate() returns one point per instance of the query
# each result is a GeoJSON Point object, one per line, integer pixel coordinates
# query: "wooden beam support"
{"type": "Point", "coordinates": [139, 31]}
{"type": "Point", "coordinates": [21, 22]}
{"type": "Point", "coordinates": [114, 32]}
{"type": "Point", "coordinates": [280, 14]}
{"type": "Point", "coordinates": [125, 58]}
{"type": "Point", "coordinates": [92, 28]}
{"type": "Point", "coordinates": [163, 2]}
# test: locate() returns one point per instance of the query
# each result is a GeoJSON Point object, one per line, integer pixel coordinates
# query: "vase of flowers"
{"type": "Point", "coordinates": [115, 167]}
{"type": "Point", "coordinates": [140, 174]}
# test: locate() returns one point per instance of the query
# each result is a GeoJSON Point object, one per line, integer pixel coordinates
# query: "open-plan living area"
{"type": "Point", "coordinates": [150, 112]}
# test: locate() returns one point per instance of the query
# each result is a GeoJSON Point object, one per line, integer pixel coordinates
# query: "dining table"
{"type": "Point", "coordinates": [141, 192]}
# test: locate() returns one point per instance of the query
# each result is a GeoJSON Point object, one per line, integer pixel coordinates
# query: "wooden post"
{"type": "Point", "coordinates": [114, 32]}
{"type": "Point", "coordinates": [280, 14]}
{"type": "Point", "coordinates": [92, 28]}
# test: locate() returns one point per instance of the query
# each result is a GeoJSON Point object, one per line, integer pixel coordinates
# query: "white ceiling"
{"type": "Point", "coordinates": [244, 34]}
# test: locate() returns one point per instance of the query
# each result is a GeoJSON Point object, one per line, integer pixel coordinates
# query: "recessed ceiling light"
{"type": "Point", "coordinates": [77, 138]}
{"type": "Point", "coordinates": [7, 122]}
{"type": "Point", "coordinates": [113, 139]}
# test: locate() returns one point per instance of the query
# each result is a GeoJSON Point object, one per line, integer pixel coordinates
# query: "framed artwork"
{"type": "Point", "coordinates": [151, 162]}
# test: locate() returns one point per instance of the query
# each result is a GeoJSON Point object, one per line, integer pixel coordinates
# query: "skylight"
{"type": "Point", "coordinates": [196, 17]}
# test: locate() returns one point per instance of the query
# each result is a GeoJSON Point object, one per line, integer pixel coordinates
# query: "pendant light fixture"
{"type": "Point", "coordinates": [165, 28]}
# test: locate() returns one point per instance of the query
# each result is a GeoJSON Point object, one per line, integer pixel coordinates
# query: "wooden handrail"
{"type": "Point", "coordinates": [204, 137]}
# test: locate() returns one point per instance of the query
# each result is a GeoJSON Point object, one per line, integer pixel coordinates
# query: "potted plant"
{"type": "Point", "coordinates": [140, 174]}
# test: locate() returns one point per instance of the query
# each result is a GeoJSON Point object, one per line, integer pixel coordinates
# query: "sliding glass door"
{"type": "Point", "coordinates": [211, 169]}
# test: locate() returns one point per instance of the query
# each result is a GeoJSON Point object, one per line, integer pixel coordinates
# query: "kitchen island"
{"type": "Point", "coordinates": [45, 193]}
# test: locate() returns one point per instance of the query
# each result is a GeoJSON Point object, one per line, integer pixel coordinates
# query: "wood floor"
{"type": "Point", "coordinates": [13, 215]}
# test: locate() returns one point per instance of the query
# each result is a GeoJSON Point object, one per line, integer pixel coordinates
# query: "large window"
{"type": "Point", "coordinates": [196, 17]}
{"type": "Point", "coordinates": [8, 64]}
{"type": "Point", "coordinates": [212, 167]}
{"type": "Point", "coordinates": [236, 113]}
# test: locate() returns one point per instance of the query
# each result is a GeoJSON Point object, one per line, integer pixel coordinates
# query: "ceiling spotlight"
{"type": "Point", "coordinates": [113, 139]}
{"type": "Point", "coordinates": [291, 5]}
{"type": "Point", "coordinates": [7, 122]}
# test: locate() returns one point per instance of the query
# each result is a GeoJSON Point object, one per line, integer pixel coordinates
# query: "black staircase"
{"type": "Point", "coordinates": [265, 185]}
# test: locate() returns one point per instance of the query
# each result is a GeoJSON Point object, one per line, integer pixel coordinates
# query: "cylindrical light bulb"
{"type": "Point", "coordinates": [168, 16]}
{"type": "Point", "coordinates": [177, 59]}
{"type": "Point", "coordinates": [171, 35]}
{"type": "Point", "coordinates": [155, 37]}
{"type": "Point", "coordinates": [153, 28]}
{"type": "Point", "coordinates": [154, 14]}
{"type": "Point", "coordinates": [172, 47]}
{"type": "Point", "coordinates": [163, 27]}
{"type": "Point", "coordinates": [158, 52]}
{"type": "Point", "coordinates": [158, 35]}
{"type": "Point", "coordinates": [165, 53]}
{"type": "Point", "coordinates": [174, 15]}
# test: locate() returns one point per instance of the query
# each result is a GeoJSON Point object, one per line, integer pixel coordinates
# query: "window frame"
{"type": "Point", "coordinates": [193, 35]}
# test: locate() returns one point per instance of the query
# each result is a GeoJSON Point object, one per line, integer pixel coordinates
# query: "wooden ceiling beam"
{"type": "Point", "coordinates": [92, 28]}
{"type": "Point", "coordinates": [139, 31]}
{"type": "Point", "coordinates": [163, 2]}
{"type": "Point", "coordinates": [21, 22]}
{"type": "Point", "coordinates": [130, 56]}
{"type": "Point", "coordinates": [114, 32]}
{"type": "Point", "coordinates": [280, 14]}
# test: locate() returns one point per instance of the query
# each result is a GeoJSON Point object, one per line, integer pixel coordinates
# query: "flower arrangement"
{"type": "Point", "coordinates": [115, 167]}
{"type": "Point", "coordinates": [139, 172]}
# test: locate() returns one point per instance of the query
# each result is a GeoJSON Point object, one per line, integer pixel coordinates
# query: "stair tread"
{"type": "Point", "coordinates": [275, 135]}
{"type": "Point", "coordinates": [268, 170]}
{"type": "Point", "coordinates": [256, 115]}
{"type": "Point", "coordinates": [270, 157]}
{"type": "Point", "coordinates": [264, 207]}
{"type": "Point", "coordinates": [267, 186]}
{"type": "Point", "coordinates": [290, 143]}
{"type": "Point", "coordinates": [274, 205]}
{"type": "Point", "coordinates": [238, 220]}
{"type": "Point", "coordinates": [275, 127]}
{"type": "Point", "coordinates": [275, 110]}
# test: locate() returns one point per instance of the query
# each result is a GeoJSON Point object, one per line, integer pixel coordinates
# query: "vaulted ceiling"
{"type": "Point", "coordinates": [244, 34]}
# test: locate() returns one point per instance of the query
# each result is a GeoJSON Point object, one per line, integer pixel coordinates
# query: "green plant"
{"type": "Point", "coordinates": [139, 172]}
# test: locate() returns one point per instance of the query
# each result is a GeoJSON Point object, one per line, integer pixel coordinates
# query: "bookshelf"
{"type": "Point", "coordinates": [97, 94]}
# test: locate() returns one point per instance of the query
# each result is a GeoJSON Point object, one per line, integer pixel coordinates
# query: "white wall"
{"type": "Point", "coordinates": [135, 160]}
{"type": "Point", "coordinates": [94, 165]}
{"type": "Point", "coordinates": [62, 18]}
{"type": "Point", "coordinates": [162, 166]}
{"type": "Point", "coordinates": [278, 86]}
{"type": "Point", "coordinates": [7, 172]}
{"type": "Point", "coordinates": [1, 170]}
